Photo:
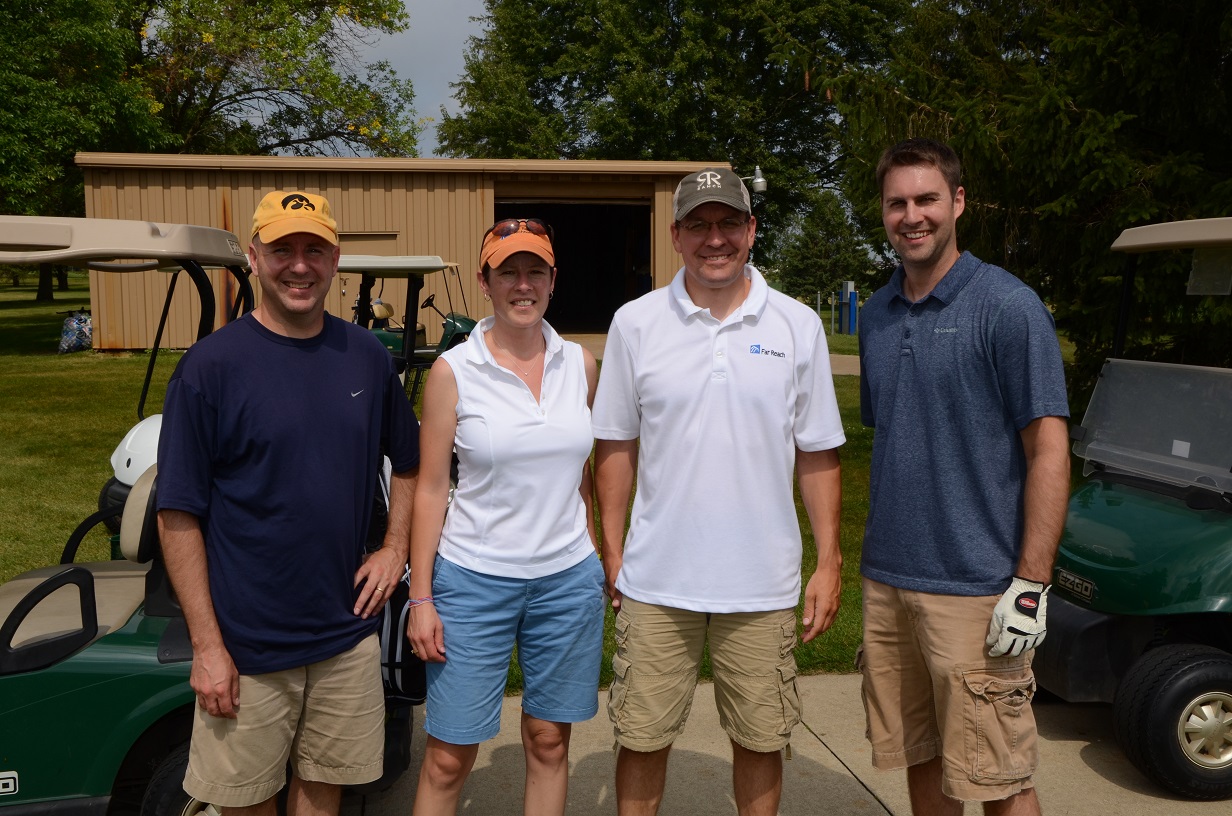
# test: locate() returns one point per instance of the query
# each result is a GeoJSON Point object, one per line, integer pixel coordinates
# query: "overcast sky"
{"type": "Point", "coordinates": [429, 53]}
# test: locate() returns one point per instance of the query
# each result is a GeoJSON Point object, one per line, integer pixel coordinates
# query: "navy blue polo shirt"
{"type": "Point", "coordinates": [275, 444]}
{"type": "Point", "coordinates": [948, 383]}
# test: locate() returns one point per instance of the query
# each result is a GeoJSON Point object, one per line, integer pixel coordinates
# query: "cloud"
{"type": "Point", "coordinates": [429, 53]}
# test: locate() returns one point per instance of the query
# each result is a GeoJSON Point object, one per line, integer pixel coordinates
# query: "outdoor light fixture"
{"type": "Point", "coordinates": [757, 180]}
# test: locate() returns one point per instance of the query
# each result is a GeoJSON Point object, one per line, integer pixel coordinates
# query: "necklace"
{"type": "Point", "coordinates": [515, 361]}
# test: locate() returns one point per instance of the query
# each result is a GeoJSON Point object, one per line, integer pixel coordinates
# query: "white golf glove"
{"type": "Point", "coordinates": [1018, 619]}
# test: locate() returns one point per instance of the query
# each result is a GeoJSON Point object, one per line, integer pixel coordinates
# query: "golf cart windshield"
{"type": "Point", "coordinates": [1163, 421]}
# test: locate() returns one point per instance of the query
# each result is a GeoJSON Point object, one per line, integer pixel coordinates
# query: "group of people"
{"type": "Point", "coordinates": [716, 400]}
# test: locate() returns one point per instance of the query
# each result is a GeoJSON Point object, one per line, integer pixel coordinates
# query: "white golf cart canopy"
{"type": "Point", "coordinates": [105, 244]}
{"type": "Point", "coordinates": [1193, 234]}
{"type": "Point", "coordinates": [393, 266]}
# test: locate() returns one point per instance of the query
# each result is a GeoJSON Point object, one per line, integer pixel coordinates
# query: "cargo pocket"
{"type": "Point", "coordinates": [1000, 728]}
{"type": "Point", "coordinates": [619, 689]}
{"type": "Point", "coordinates": [789, 696]}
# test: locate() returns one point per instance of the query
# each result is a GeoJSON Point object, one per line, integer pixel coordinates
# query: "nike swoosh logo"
{"type": "Point", "coordinates": [357, 393]}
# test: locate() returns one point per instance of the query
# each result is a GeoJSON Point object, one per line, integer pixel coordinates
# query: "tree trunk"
{"type": "Point", "coordinates": [61, 278]}
{"type": "Point", "coordinates": [44, 288]}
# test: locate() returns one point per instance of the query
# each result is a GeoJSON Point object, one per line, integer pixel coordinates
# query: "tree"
{"type": "Point", "coordinates": [676, 80]}
{"type": "Point", "coordinates": [822, 248]}
{"type": "Point", "coordinates": [64, 78]}
{"type": "Point", "coordinates": [279, 76]}
{"type": "Point", "coordinates": [207, 76]}
{"type": "Point", "coordinates": [1075, 120]}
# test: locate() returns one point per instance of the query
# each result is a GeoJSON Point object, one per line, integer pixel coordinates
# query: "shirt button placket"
{"type": "Point", "coordinates": [718, 362]}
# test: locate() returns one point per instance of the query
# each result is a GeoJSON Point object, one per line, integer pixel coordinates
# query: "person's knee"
{"type": "Point", "coordinates": [547, 743]}
{"type": "Point", "coordinates": [447, 766]}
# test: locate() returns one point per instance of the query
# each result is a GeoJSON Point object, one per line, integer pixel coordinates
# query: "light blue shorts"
{"type": "Point", "coordinates": [556, 622]}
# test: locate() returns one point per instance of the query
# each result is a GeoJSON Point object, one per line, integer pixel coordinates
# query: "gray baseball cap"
{"type": "Point", "coordinates": [714, 184]}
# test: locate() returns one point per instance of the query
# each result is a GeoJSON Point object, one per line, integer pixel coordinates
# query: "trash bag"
{"type": "Point", "coordinates": [78, 332]}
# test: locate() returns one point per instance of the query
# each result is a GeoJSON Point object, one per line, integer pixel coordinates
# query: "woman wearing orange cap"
{"type": "Point", "coordinates": [513, 560]}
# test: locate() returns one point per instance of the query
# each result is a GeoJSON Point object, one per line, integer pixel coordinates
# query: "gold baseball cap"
{"type": "Point", "coordinates": [283, 213]}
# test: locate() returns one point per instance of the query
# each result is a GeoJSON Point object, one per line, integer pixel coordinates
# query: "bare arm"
{"type": "Point", "coordinates": [383, 569]}
{"type": "Point", "coordinates": [214, 677]}
{"type": "Point", "coordinates": [587, 486]}
{"type": "Point", "coordinates": [436, 436]}
{"type": "Point", "coordinates": [821, 489]}
{"type": "Point", "coordinates": [615, 465]}
{"type": "Point", "coordinates": [1045, 496]}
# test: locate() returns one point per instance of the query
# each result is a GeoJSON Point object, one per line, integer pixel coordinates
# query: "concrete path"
{"type": "Point", "coordinates": [1082, 771]}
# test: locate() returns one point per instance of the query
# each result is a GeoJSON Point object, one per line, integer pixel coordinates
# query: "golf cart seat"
{"type": "Point", "coordinates": [51, 612]}
{"type": "Point", "coordinates": [140, 545]}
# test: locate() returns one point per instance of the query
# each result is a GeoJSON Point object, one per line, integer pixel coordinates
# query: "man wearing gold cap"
{"type": "Point", "coordinates": [272, 440]}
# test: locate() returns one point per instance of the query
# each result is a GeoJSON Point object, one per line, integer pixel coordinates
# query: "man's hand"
{"type": "Point", "coordinates": [611, 569]}
{"type": "Point", "coordinates": [821, 600]}
{"type": "Point", "coordinates": [1018, 621]}
{"type": "Point", "coordinates": [379, 574]}
{"type": "Point", "coordinates": [216, 681]}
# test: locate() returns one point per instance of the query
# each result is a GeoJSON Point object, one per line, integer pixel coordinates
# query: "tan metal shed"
{"type": "Point", "coordinates": [611, 220]}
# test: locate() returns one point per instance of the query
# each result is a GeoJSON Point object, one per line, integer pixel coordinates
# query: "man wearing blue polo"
{"type": "Point", "coordinates": [963, 382]}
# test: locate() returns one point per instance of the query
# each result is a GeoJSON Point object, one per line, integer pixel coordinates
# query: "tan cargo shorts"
{"type": "Point", "coordinates": [327, 718]}
{"type": "Point", "coordinates": [930, 690]}
{"type": "Point", "coordinates": [659, 652]}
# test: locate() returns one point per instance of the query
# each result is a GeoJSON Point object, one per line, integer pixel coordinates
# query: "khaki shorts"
{"type": "Point", "coordinates": [328, 718]}
{"type": "Point", "coordinates": [659, 652]}
{"type": "Point", "coordinates": [931, 690]}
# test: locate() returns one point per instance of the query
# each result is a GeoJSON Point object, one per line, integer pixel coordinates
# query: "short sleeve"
{"type": "Point", "coordinates": [616, 414]}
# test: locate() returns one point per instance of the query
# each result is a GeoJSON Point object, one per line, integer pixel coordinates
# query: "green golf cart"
{"type": "Point", "coordinates": [95, 705]}
{"type": "Point", "coordinates": [1140, 613]}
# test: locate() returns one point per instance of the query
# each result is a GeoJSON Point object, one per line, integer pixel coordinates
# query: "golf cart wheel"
{"type": "Point", "coordinates": [166, 795]}
{"type": "Point", "coordinates": [1173, 714]}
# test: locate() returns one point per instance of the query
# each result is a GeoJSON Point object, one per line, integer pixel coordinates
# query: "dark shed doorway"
{"type": "Point", "coordinates": [602, 258]}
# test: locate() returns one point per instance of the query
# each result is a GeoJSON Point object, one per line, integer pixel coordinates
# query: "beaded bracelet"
{"type": "Point", "coordinates": [414, 602]}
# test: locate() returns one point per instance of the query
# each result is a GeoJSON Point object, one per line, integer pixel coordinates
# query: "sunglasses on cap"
{"type": "Point", "coordinates": [509, 226]}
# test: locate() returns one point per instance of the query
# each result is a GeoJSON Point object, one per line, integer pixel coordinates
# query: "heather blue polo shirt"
{"type": "Point", "coordinates": [948, 383]}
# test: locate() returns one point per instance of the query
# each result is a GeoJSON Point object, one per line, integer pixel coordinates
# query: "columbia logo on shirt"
{"type": "Point", "coordinates": [757, 349]}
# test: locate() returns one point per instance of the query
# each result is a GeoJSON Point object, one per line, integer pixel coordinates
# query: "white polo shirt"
{"type": "Point", "coordinates": [719, 409]}
{"type": "Point", "coordinates": [517, 511]}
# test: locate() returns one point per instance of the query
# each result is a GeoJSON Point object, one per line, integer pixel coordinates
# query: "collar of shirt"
{"type": "Point", "coordinates": [478, 353]}
{"type": "Point", "coordinates": [750, 309]}
{"type": "Point", "coordinates": [958, 276]}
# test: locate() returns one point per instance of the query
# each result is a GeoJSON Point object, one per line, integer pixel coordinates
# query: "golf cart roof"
{"type": "Point", "coordinates": [1198, 232]}
{"type": "Point", "coordinates": [106, 243]}
{"type": "Point", "coordinates": [393, 266]}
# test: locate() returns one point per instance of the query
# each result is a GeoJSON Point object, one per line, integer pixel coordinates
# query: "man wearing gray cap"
{"type": "Point", "coordinates": [714, 390]}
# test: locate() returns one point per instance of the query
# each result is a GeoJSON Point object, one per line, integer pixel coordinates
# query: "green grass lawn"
{"type": "Point", "coordinates": [63, 415]}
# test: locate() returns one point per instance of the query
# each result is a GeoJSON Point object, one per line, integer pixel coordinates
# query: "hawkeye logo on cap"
{"type": "Point", "coordinates": [708, 180]}
{"type": "Point", "coordinates": [296, 201]}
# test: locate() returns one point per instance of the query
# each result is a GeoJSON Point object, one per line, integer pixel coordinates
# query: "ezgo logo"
{"type": "Point", "coordinates": [757, 349]}
{"type": "Point", "coordinates": [8, 782]}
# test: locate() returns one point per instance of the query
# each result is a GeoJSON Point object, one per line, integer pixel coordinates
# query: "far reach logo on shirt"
{"type": "Point", "coordinates": [757, 349]}
{"type": "Point", "coordinates": [950, 330]}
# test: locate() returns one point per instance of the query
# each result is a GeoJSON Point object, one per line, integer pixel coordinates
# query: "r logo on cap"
{"type": "Point", "coordinates": [707, 179]}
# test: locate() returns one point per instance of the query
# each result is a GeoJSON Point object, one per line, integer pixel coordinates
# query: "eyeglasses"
{"type": "Point", "coordinates": [730, 227]}
{"type": "Point", "coordinates": [509, 226]}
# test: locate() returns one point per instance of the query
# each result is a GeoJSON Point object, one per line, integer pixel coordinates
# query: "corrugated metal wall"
{"type": "Point", "coordinates": [383, 207]}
